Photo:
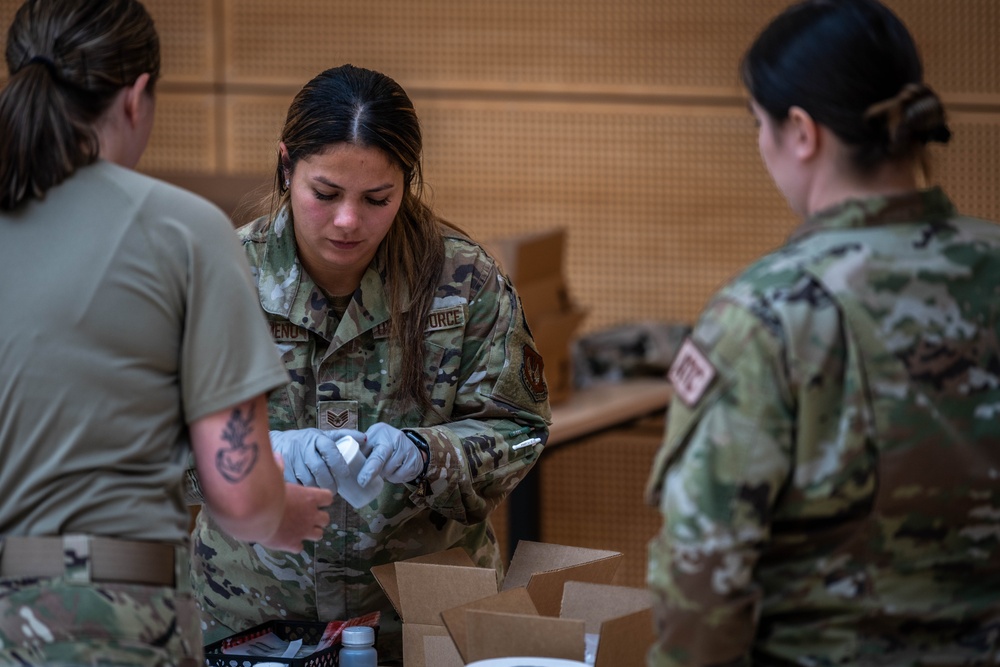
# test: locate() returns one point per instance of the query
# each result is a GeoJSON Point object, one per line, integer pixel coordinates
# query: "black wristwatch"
{"type": "Point", "coordinates": [423, 447]}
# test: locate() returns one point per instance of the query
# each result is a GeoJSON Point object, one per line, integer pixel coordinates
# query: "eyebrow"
{"type": "Point", "coordinates": [378, 188]}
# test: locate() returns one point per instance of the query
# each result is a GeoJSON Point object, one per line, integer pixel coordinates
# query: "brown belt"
{"type": "Point", "coordinates": [103, 559]}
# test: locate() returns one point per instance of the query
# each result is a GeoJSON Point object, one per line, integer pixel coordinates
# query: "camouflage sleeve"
{"type": "Point", "coordinates": [726, 455]}
{"type": "Point", "coordinates": [500, 402]}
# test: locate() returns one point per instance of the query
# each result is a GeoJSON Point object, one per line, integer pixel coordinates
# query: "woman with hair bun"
{"type": "Point", "coordinates": [830, 476]}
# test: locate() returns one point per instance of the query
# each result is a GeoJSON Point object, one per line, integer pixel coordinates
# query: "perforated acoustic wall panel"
{"type": "Point", "coordinates": [960, 45]}
{"type": "Point", "coordinates": [184, 135]}
{"type": "Point", "coordinates": [969, 166]}
{"type": "Point", "coordinates": [592, 495]}
{"type": "Point", "coordinates": [252, 130]}
{"type": "Point", "coordinates": [187, 38]}
{"type": "Point", "coordinates": [622, 121]}
{"type": "Point", "coordinates": [554, 43]}
{"type": "Point", "coordinates": [661, 204]}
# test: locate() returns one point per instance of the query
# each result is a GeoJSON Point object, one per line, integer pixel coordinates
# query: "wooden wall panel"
{"type": "Point", "coordinates": [661, 204]}
{"type": "Point", "coordinates": [959, 41]}
{"type": "Point", "coordinates": [188, 43]}
{"type": "Point", "coordinates": [591, 495]}
{"type": "Point", "coordinates": [622, 121]}
{"type": "Point", "coordinates": [184, 134]}
{"type": "Point", "coordinates": [638, 46]}
{"type": "Point", "coordinates": [968, 167]}
{"type": "Point", "coordinates": [252, 129]}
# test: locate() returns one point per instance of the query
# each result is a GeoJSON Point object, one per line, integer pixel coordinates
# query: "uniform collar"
{"type": "Point", "coordinates": [931, 206]}
{"type": "Point", "coordinates": [287, 291]}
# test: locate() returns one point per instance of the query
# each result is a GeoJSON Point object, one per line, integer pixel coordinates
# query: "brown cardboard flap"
{"type": "Point", "coordinates": [625, 641]}
{"type": "Point", "coordinates": [441, 652]}
{"type": "Point", "coordinates": [530, 257]}
{"type": "Point", "coordinates": [597, 603]}
{"type": "Point", "coordinates": [514, 601]}
{"type": "Point", "coordinates": [426, 589]}
{"type": "Point", "coordinates": [497, 635]}
{"type": "Point", "coordinates": [547, 295]}
{"type": "Point", "coordinates": [532, 557]}
{"type": "Point", "coordinates": [386, 577]}
{"type": "Point", "coordinates": [413, 642]}
{"type": "Point", "coordinates": [553, 331]}
{"type": "Point", "coordinates": [546, 588]}
{"type": "Point", "coordinates": [544, 568]}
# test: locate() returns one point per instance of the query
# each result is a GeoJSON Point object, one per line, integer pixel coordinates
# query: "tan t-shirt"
{"type": "Point", "coordinates": [127, 311]}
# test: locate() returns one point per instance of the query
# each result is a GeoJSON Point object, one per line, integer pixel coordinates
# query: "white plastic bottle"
{"type": "Point", "coordinates": [358, 647]}
{"type": "Point", "coordinates": [349, 489]}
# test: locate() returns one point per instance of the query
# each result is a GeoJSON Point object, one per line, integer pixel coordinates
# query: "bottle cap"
{"type": "Point", "coordinates": [358, 635]}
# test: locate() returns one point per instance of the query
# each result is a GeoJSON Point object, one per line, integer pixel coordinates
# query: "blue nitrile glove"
{"type": "Point", "coordinates": [393, 455]}
{"type": "Point", "coordinates": [311, 455]}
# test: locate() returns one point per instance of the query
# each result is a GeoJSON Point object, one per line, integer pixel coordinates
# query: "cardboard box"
{"type": "Point", "coordinates": [535, 264]}
{"type": "Point", "coordinates": [619, 617]}
{"type": "Point", "coordinates": [422, 588]}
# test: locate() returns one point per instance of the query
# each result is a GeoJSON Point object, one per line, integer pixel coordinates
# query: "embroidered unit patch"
{"type": "Point", "coordinates": [532, 374]}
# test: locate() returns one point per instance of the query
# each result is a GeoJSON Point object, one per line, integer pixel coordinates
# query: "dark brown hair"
{"type": "Point", "coordinates": [66, 60]}
{"type": "Point", "coordinates": [853, 66]}
{"type": "Point", "coordinates": [359, 106]}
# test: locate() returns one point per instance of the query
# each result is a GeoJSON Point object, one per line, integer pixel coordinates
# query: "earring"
{"type": "Point", "coordinates": [287, 183]}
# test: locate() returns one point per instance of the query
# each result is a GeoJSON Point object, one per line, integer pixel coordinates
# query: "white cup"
{"type": "Point", "coordinates": [349, 489]}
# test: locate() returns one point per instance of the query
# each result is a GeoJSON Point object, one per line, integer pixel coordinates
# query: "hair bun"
{"type": "Point", "coordinates": [914, 115]}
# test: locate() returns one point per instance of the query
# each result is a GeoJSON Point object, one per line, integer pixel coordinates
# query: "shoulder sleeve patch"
{"type": "Point", "coordinates": [532, 373]}
{"type": "Point", "coordinates": [691, 373]}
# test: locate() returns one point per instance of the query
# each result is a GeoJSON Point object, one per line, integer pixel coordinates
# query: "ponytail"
{"type": "Point", "coordinates": [67, 61]}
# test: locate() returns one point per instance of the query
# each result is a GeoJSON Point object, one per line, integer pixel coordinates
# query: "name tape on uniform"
{"type": "Point", "coordinates": [286, 332]}
{"type": "Point", "coordinates": [691, 373]}
{"type": "Point", "coordinates": [447, 318]}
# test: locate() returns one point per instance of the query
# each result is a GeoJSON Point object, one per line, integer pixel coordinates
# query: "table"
{"type": "Point", "coordinates": [586, 412]}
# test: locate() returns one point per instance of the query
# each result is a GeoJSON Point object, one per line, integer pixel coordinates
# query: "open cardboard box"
{"type": "Point", "coordinates": [535, 264]}
{"type": "Point", "coordinates": [509, 625]}
{"type": "Point", "coordinates": [422, 588]}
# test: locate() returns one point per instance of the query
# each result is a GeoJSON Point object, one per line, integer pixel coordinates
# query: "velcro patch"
{"type": "Point", "coordinates": [448, 318]}
{"type": "Point", "coordinates": [445, 318]}
{"type": "Point", "coordinates": [286, 332]}
{"type": "Point", "coordinates": [335, 415]}
{"type": "Point", "coordinates": [691, 373]}
{"type": "Point", "coordinates": [533, 375]}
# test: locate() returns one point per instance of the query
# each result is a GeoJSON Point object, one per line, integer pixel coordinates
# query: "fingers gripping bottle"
{"type": "Point", "coordinates": [347, 485]}
{"type": "Point", "coordinates": [358, 647]}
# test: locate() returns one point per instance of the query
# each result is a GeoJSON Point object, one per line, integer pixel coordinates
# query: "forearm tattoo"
{"type": "Point", "coordinates": [237, 460]}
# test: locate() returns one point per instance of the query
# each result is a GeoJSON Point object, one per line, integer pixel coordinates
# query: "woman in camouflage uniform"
{"type": "Point", "coordinates": [830, 478]}
{"type": "Point", "coordinates": [396, 328]}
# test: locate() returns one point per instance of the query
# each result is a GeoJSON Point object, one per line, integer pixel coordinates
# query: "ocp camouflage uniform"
{"type": "Point", "coordinates": [71, 620]}
{"type": "Point", "coordinates": [488, 391]}
{"type": "Point", "coordinates": [831, 489]}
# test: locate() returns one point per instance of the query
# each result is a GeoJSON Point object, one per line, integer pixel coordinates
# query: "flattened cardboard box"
{"type": "Point", "coordinates": [620, 616]}
{"type": "Point", "coordinates": [422, 588]}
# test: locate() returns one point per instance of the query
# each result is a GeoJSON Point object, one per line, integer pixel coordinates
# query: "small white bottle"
{"type": "Point", "coordinates": [358, 647]}
{"type": "Point", "coordinates": [349, 489]}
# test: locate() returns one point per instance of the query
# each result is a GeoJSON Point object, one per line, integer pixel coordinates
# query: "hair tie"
{"type": "Point", "coordinates": [49, 65]}
{"type": "Point", "coordinates": [915, 113]}
{"type": "Point", "coordinates": [893, 107]}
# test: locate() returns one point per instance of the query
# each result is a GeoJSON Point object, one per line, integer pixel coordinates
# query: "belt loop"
{"type": "Point", "coordinates": [76, 551]}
